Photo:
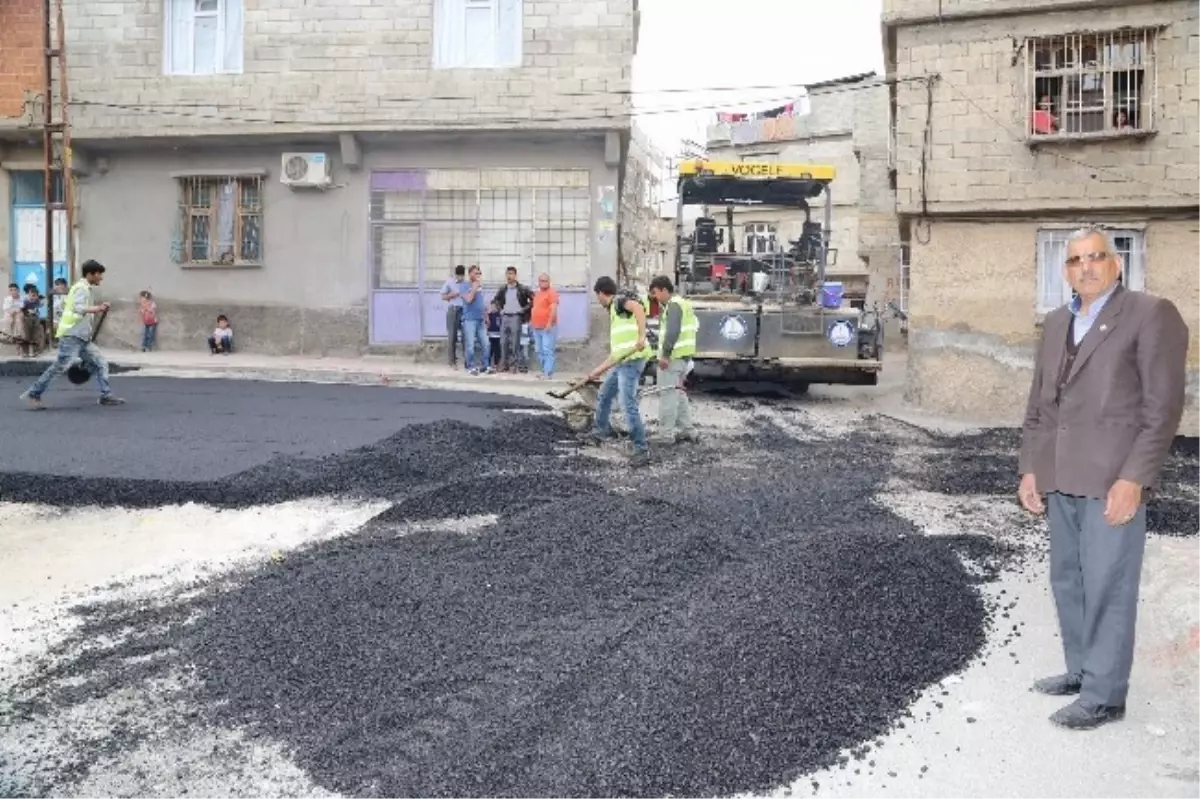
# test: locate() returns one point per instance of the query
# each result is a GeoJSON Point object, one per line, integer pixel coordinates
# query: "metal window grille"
{"type": "Point", "coordinates": [1053, 289]}
{"type": "Point", "coordinates": [221, 220]}
{"type": "Point", "coordinates": [420, 236]}
{"type": "Point", "coordinates": [1088, 84]}
{"type": "Point", "coordinates": [905, 258]}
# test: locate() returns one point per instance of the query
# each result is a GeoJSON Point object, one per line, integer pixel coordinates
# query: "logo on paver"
{"type": "Point", "coordinates": [733, 328]}
{"type": "Point", "coordinates": [841, 333]}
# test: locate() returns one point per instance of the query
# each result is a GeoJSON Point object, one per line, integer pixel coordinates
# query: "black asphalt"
{"type": "Point", "coordinates": [719, 624]}
{"type": "Point", "coordinates": [198, 430]}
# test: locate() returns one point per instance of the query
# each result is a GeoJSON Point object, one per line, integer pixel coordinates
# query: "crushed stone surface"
{"type": "Point", "coordinates": [527, 617]}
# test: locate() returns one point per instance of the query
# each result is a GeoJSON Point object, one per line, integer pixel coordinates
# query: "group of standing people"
{"type": "Point", "coordinates": [511, 311]}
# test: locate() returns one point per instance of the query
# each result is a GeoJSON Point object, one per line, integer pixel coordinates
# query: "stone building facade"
{"type": "Point", "coordinates": [1016, 121]}
{"type": "Point", "coordinates": [843, 123]}
{"type": "Point", "coordinates": [314, 169]}
{"type": "Point", "coordinates": [647, 240]}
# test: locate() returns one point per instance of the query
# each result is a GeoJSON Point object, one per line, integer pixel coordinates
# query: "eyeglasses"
{"type": "Point", "coordinates": [1091, 258]}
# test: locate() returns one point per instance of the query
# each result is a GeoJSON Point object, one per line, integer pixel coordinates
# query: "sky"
{"type": "Point", "coordinates": [691, 47]}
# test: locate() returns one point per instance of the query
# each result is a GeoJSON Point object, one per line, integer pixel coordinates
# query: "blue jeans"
{"type": "Point", "coordinates": [149, 336]}
{"type": "Point", "coordinates": [475, 340]}
{"type": "Point", "coordinates": [70, 348]}
{"type": "Point", "coordinates": [623, 378]}
{"type": "Point", "coordinates": [545, 341]}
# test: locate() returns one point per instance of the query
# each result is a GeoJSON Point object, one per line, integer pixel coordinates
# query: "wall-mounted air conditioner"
{"type": "Point", "coordinates": [305, 169]}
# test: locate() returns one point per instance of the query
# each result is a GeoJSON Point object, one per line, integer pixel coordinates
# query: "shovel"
{"type": "Point", "coordinates": [571, 389]}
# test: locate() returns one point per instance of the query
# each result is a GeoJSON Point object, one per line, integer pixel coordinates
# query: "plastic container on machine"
{"type": "Point", "coordinates": [831, 295]}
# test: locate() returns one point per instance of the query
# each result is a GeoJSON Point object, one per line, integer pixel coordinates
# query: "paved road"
{"type": "Point", "coordinates": [197, 429]}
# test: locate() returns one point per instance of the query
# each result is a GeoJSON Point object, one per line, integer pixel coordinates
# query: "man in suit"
{"type": "Point", "coordinates": [1107, 397]}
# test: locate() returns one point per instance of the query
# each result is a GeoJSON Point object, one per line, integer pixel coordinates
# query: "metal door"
{"type": "Point", "coordinates": [29, 230]}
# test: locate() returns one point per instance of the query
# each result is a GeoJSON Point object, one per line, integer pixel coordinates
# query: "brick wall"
{"type": "Point", "coordinates": [978, 159]}
{"type": "Point", "coordinates": [348, 64]}
{"type": "Point", "coordinates": [20, 54]}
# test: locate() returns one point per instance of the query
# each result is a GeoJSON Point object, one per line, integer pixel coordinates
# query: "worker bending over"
{"type": "Point", "coordinates": [628, 353]}
{"type": "Point", "coordinates": [677, 329]}
{"type": "Point", "coordinates": [74, 335]}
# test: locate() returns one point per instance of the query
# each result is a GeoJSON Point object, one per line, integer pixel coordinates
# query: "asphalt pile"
{"type": "Point", "coordinates": [716, 628]}
{"type": "Point", "coordinates": [986, 463]}
{"type": "Point", "coordinates": [418, 457]}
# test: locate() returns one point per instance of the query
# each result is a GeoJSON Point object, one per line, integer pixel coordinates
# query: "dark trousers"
{"type": "Point", "coordinates": [223, 345]}
{"type": "Point", "coordinates": [511, 355]}
{"type": "Point", "coordinates": [453, 333]}
{"type": "Point", "coordinates": [494, 339]}
{"type": "Point", "coordinates": [1095, 570]}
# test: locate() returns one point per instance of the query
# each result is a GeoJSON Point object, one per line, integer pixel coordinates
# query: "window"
{"type": "Point", "coordinates": [203, 37]}
{"type": "Point", "coordinates": [220, 221]}
{"type": "Point", "coordinates": [1053, 289]}
{"type": "Point", "coordinates": [1095, 83]}
{"type": "Point", "coordinates": [477, 34]}
{"type": "Point", "coordinates": [760, 238]}
{"type": "Point", "coordinates": [535, 220]}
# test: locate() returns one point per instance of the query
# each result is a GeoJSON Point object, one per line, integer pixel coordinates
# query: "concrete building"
{"type": "Point", "coordinates": [843, 123]}
{"type": "Point", "coordinates": [647, 240]}
{"type": "Point", "coordinates": [1015, 122]}
{"type": "Point", "coordinates": [314, 169]}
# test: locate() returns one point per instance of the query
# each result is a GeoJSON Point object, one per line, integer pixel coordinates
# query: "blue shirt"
{"type": "Point", "coordinates": [476, 310]}
{"type": "Point", "coordinates": [1083, 322]}
{"type": "Point", "coordinates": [461, 286]}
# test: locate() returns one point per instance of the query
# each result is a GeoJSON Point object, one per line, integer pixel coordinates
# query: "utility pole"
{"type": "Point", "coordinates": [56, 144]}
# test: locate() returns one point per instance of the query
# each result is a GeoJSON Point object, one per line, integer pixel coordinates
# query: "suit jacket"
{"type": "Point", "coordinates": [1122, 401]}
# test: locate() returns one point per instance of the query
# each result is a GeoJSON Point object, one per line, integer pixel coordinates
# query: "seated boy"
{"type": "Point", "coordinates": [32, 329]}
{"type": "Point", "coordinates": [221, 341]}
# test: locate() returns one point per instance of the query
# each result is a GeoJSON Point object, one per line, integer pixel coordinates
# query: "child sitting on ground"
{"type": "Point", "coordinates": [221, 341]}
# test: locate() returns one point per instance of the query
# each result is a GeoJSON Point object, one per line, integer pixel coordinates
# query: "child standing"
{"type": "Point", "coordinates": [221, 341]}
{"type": "Point", "coordinates": [493, 327]}
{"type": "Point", "coordinates": [149, 312]}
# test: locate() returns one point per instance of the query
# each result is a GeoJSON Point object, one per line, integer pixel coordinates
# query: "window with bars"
{"type": "Point", "coordinates": [1053, 289]}
{"type": "Point", "coordinates": [419, 237]}
{"type": "Point", "coordinates": [1093, 83]}
{"type": "Point", "coordinates": [221, 220]}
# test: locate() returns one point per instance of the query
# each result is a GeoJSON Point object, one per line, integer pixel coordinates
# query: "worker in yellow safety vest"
{"type": "Point", "coordinates": [677, 330]}
{"type": "Point", "coordinates": [74, 333]}
{"type": "Point", "coordinates": [628, 353]}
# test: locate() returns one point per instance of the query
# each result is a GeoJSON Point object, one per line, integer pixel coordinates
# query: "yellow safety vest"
{"type": "Point", "coordinates": [70, 316]}
{"type": "Point", "coordinates": [623, 335]}
{"type": "Point", "coordinates": [685, 345]}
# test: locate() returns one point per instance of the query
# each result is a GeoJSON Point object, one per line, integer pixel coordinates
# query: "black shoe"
{"type": "Point", "coordinates": [596, 439]}
{"type": "Point", "coordinates": [1058, 685]}
{"type": "Point", "coordinates": [688, 438]}
{"type": "Point", "coordinates": [1080, 715]}
{"type": "Point", "coordinates": [109, 399]}
{"type": "Point", "coordinates": [639, 459]}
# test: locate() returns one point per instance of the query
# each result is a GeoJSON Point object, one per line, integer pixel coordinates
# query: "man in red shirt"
{"type": "Point", "coordinates": [543, 321]}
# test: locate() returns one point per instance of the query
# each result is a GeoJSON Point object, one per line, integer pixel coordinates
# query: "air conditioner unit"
{"type": "Point", "coordinates": [305, 169]}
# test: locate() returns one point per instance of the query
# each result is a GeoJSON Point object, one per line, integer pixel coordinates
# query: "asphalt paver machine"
{"type": "Point", "coordinates": [769, 315]}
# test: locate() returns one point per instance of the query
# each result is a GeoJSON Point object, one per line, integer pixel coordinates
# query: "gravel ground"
{"type": "Point", "coordinates": [542, 622]}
